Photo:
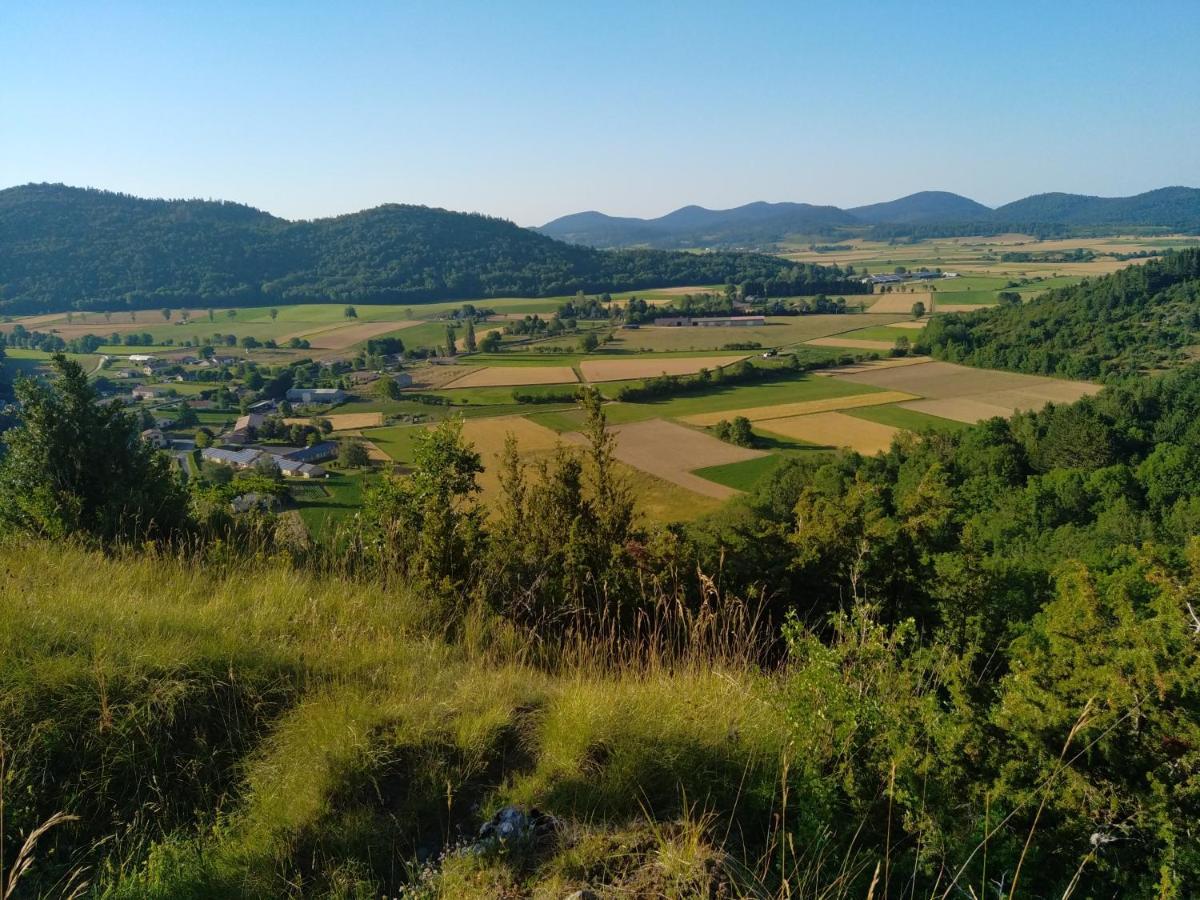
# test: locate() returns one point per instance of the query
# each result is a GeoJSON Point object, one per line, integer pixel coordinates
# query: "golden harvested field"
{"type": "Point", "coordinates": [801, 408]}
{"type": "Point", "coordinates": [621, 369]}
{"type": "Point", "coordinates": [960, 409]}
{"type": "Point", "coordinates": [990, 392]}
{"type": "Point", "coordinates": [851, 343]}
{"type": "Point", "coordinates": [512, 376]}
{"type": "Point", "coordinates": [346, 336]}
{"type": "Point", "coordinates": [436, 375]}
{"type": "Point", "coordinates": [659, 500]}
{"type": "Point", "coordinates": [833, 429]}
{"type": "Point", "coordinates": [914, 324]}
{"type": "Point", "coordinates": [897, 303]}
{"type": "Point", "coordinates": [345, 421]}
{"type": "Point", "coordinates": [670, 452]}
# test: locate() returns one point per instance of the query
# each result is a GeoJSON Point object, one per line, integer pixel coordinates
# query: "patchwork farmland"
{"type": "Point", "coordinates": [827, 380]}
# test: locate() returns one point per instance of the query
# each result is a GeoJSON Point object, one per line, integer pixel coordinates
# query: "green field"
{"type": "Point", "coordinates": [742, 476]}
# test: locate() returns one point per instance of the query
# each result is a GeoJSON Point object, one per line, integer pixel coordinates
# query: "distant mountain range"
{"type": "Point", "coordinates": [922, 214]}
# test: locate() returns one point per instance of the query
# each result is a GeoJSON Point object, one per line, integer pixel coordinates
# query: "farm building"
{"type": "Point", "coordinates": [155, 438]}
{"type": "Point", "coordinates": [316, 395]}
{"type": "Point", "coordinates": [402, 379]}
{"type": "Point", "coordinates": [316, 453]}
{"type": "Point", "coordinates": [238, 459]}
{"type": "Point", "coordinates": [144, 393]}
{"type": "Point", "coordinates": [243, 428]}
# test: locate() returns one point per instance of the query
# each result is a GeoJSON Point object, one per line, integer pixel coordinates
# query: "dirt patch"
{"type": "Point", "coordinates": [345, 421]}
{"type": "Point", "coordinates": [512, 376]}
{"type": "Point", "coordinates": [622, 369]}
{"type": "Point", "coordinates": [833, 429]}
{"type": "Point", "coordinates": [851, 343]}
{"type": "Point", "coordinates": [430, 377]}
{"type": "Point", "coordinates": [801, 408]}
{"type": "Point", "coordinates": [670, 452]}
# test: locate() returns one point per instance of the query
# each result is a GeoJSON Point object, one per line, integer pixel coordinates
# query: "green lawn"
{"type": "Point", "coordinates": [742, 476]}
{"type": "Point", "coordinates": [335, 499]}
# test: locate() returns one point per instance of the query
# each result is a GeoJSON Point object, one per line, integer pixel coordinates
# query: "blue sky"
{"type": "Point", "coordinates": [534, 110]}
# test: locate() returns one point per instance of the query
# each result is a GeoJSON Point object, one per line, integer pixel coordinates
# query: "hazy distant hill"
{"type": "Point", "coordinates": [695, 226]}
{"type": "Point", "coordinates": [927, 213]}
{"type": "Point", "coordinates": [923, 207]}
{"type": "Point", "coordinates": [63, 247]}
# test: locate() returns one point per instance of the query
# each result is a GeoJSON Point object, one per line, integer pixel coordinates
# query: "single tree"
{"type": "Point", "coordinates": [918, 309]}
{"type": "Point", "coordinates": [469, 337]}
{"type": "Point", "coordinates": [75, 466]}
{"type": "Point", "coordinates": [451, 341]}
{"type": "Point", "coordinates": [274, 314]}
{"type": "Point", "coordinates": [353, 455]}
{"type": "Point", "coordinates": [350, 312]}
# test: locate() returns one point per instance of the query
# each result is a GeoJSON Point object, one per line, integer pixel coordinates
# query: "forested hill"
{"type": "Point", "coordinates": [63, 247]}
{"type": "Point", "coordinates": [1139, 319]}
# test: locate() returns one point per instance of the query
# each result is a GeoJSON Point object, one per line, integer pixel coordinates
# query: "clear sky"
{"type": "Point", "coordinates": [533, 110]}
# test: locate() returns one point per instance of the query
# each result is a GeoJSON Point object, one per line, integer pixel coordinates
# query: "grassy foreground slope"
{"type": "Point", "coordinates": [259, 732]}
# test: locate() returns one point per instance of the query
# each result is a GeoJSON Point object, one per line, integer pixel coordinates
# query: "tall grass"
{"type": "Point", "coordinates": [237, 727]}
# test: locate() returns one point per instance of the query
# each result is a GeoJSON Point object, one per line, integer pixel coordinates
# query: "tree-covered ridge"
{"type": "Point", "coordinates": [1140, 319]}
{"type": "Point", "coordinates": [66, 248]}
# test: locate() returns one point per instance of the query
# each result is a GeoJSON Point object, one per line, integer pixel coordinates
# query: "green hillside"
{"type": "Point", "coordinates": [69, 248]}
{"type": "Point", "coordinates": [1140, 319]}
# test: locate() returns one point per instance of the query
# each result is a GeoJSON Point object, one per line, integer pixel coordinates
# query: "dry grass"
{"type": "Point", "coordinates": [873, 366]}
{"type": "Point", "coordinates": [851, 343]}
{"type": "Point", "coordinates": [914, 324]}
{"type": "Point", "coordinates": [513, 376]}
{"type": "Point", "coordinates": [670, 452]}
{"type": "Point", "coordinates": [899, 303]}
{"type": "Point", "coordinates": [939, 380]}
{"type": "Point", "coordinates": [971, 395]}
{"type": "Point", "coordinates": [622, 369]}
{"type": "Point", "coordinates": [345, 421]}
{"type": "Point", "coordinates": [833, 429]}
{"type": "Point", "coordinates": [806, 407]}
